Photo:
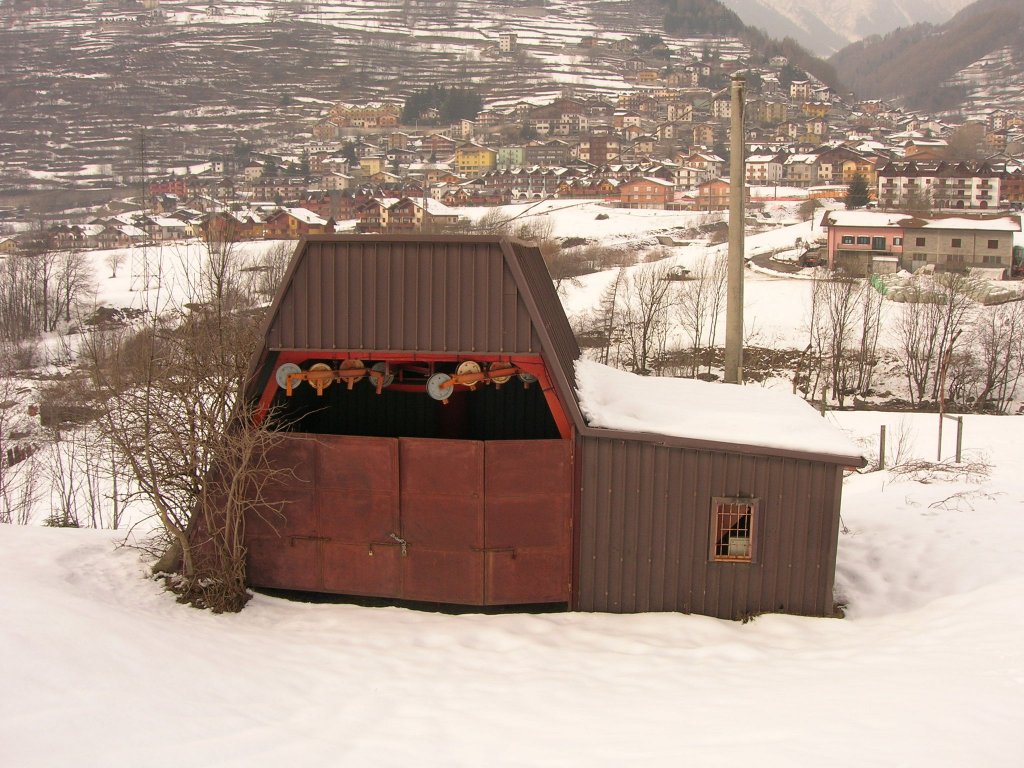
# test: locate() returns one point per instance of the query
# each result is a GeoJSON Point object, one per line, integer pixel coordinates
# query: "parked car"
{"type": "Point", "coordinates": [813, 259]}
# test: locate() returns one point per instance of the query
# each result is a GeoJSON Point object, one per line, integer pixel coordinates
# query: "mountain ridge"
{"type": "Point", "coordinates": [825, 28]}
{"type": "Point", "coordinates": [916, 63]}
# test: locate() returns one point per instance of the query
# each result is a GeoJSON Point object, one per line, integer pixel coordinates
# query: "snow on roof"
{"type": "Point", "coordinates": [167, 222]}
{"type": "Point", "coordinates": [128, 217]}
{"type": "Point", "coordinates": [306, 216]}
{"type": "Point", "coordinates": [763, 159]}
{"type": "Point", "coordinates": [860, 218]}
{"type": "Point", "coordinates": [652, 180]}
{"type": "Point", "coordinates": [702, 410]}
{"type": "Point", "coordinates": [1002, 224]}
{"type": "Point", "coordinates": [434, 207]}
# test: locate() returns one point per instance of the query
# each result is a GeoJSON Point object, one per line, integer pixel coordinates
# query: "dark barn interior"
{"type": "Point", "coordinates": [512, 411]}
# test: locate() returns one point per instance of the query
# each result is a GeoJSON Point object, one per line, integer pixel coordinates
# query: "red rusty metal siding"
{"type": "Point", "coordinates": [446, 521]}
{"type": "Point", "coordinates": [528, 498]}
{"type": "Point", "coordinates": [443, 520]}
{"type": "Point", "coordinates": [645, 525]}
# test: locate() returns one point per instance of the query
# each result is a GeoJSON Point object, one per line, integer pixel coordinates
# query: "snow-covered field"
{"type": "Point", "coordinates": [101, 667]}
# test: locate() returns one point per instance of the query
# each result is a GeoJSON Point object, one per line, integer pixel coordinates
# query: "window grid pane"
{"type": "Point", "coordinates": [732, 529]}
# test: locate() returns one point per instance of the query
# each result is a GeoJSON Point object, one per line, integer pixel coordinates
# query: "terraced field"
{"type": "Point", "coordinates": [79, 82]}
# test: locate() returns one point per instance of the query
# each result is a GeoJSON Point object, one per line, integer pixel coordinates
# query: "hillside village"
{"type": "Point", "coordinates": [661, 144]}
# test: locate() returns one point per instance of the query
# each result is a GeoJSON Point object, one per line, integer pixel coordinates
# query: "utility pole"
{"type": "Point", "coordinates": [734, 290]}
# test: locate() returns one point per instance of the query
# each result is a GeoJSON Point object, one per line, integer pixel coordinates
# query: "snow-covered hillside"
{"type": "Point", "coordinates": [825, 27]}
{"type": "Point", "coordinates": [101, 667]}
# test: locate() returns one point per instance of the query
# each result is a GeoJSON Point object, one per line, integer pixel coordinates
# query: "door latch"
{"type": "Point", "coordinates": [401, 542]}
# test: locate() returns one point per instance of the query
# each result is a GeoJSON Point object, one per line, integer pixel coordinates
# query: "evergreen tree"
{"type": "Point", "coordinates": [857, 193]}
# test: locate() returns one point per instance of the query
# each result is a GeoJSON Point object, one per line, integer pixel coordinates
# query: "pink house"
{"type": "Point", "coordinates": [864, 241]}
{"type": "Point", "coordinates": [874, 242]}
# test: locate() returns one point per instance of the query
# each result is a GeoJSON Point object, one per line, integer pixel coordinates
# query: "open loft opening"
{"type": "Point", "coordinates": [394, 395]}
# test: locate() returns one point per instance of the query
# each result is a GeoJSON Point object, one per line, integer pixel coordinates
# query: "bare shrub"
{"type": "Point", "coordinates": [901, 441]}
{"type": "Point", "coordinates": [170, 392]}
{"type": "Point", "coordinates": [921, 471]}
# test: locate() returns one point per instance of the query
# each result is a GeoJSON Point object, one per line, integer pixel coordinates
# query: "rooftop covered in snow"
{"type": "Point", "coordinates": [706, 412]}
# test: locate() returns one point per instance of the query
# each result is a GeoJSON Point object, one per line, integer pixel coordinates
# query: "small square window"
{"type": "Point", "coordinates": [897, 241]}
{"type": "Point", "coordinates": [919, 242]}
{"type": "Point", "coordinates": [863, 240]}
{"type": "Point", "coordinates": [847, 239]}
{"type": "Point", "coordinates": [733, 529]}
{"type": "Point", "coordinates": [957, 243]}
{"type": "Point", "coordinates": [993, 244]}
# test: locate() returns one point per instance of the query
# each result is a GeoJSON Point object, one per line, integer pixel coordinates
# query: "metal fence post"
{"type": "Point", "coordinates": [881, 447]}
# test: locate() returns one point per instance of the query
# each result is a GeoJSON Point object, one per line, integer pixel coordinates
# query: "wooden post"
{"type": "Point", "coordinates": [881, 447]}
{"type": "Point", "coordinates": [959, 437]}
{"type": "Point", "coordinates": [944, 364]}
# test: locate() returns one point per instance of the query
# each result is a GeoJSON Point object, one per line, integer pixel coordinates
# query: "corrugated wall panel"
{"type": "Point", "coordinates": [585, 536]}
{"type": "Point", "coordinates": [696, 532]}
{"type": "Point", "coordinates": [799, 499]}
{"type": "Point", "coordinates": [645, 520]}
{"type": "Point", "coordinates": [641, 597]}
{"type": "Point", "coordinates": [832, 536]}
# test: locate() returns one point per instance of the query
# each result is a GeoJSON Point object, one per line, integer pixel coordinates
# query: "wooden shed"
{"type": "Point", "coordinates": [439, 453]}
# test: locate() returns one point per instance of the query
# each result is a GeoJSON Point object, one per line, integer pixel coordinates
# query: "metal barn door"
{"type": "Point", "coordinates": [527, 541]}
{"type": "Point", "coordinates": [442, 520]}
{"type": "Point", "coordinates": [446, 521]}
{"type": "Point", "coordinates": [358, 509]}
{"type": "Point", "coordinates": [338, 504]}
{"type": "Point", "coordinates": [281, 537]}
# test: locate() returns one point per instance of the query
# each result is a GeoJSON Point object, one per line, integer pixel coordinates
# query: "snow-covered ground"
{"type": "Point", "coordinates": [101, 667]}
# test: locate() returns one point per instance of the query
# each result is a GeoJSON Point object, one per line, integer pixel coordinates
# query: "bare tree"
{"type": "Point", "coordinates": [19, 300]}
{"type": "Point", "coordinates": [607, 312]}
{"type": "Point", "coordinates": [870, 321]}
{"type": "Point", "coordinates": [700, 306]}
{"type": "Point", "coordinates": [72, 279]}
{"type": "Point", "coordinates": [114, 260]}
{"type": "Point", "coordinates": [19, 463]}
{"type": "Point", "coordinates": [272, 266]}
{"type": "Point", "coordinates": [644, 315]}
{"type": "Point", "coordinates": [998, 342]}
{"type": "Point", "coordinates": [932, 315]}
{"type": "Point", "coordinates": [844, 327]}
